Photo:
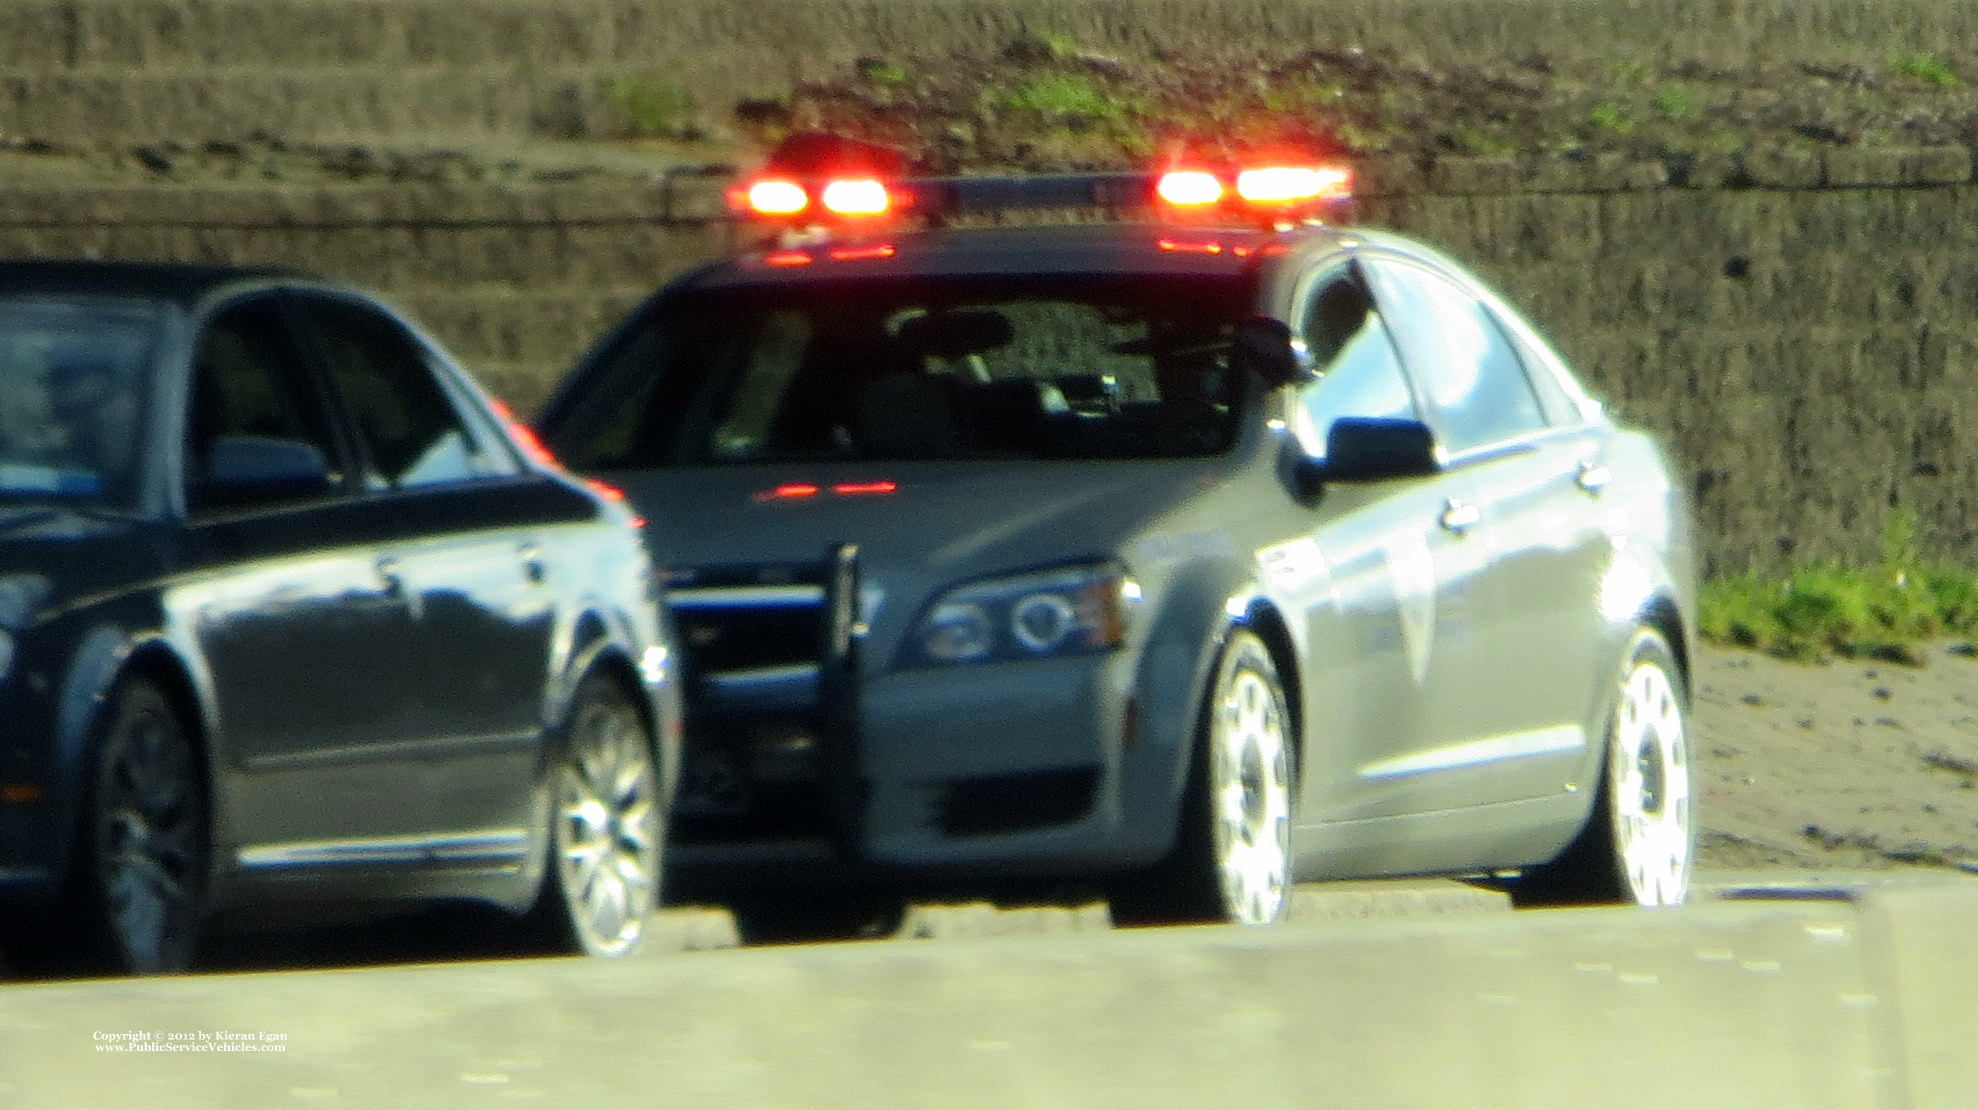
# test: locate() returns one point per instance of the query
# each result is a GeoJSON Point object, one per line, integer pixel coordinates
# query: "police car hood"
{"type": "Point", "coordinates": [920, 527]}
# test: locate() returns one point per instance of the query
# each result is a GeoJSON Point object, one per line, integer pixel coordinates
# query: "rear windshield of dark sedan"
{"type": "Point", "coordinates": [72, 395]}
{"type": "Point", "coordinates": [1034, 368]}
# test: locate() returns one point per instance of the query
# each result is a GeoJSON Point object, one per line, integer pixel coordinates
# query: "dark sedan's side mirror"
{"type": "Point", "coordinates": [1263, 346]}
{"type": "Point", "coordinates": [255, 470]}
{"type": "Point", "coordinates": [1361, 449]}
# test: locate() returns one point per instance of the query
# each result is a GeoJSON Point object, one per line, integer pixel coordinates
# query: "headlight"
{"type": "Point", "coordinates": [1063, 611]}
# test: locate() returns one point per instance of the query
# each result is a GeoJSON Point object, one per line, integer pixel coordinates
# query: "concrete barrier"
{"type": "Point", "coordinates": [1852, 1001]}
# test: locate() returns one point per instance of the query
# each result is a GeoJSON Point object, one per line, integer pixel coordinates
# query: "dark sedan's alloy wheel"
{"type": "Point", "coordinates": [608, 832]}
{"type": "Point", "coordinates": [143, 872]}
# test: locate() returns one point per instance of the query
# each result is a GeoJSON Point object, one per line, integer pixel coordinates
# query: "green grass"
{"type": "Point", "coordinates": [1822, 608]}
{"type": "Point", "coordinates": [1059, 98]}
{"type": "Point", "coordinates": [1676, 101]}
{"type": "Point", "coordinates": [882, 72]}
{"type": "Point", "coordinates": [651, 106]}
{"type": "Point", "coordinates": [1612, 117]}
{"type": "Point", "coordinates": [1928, 68]}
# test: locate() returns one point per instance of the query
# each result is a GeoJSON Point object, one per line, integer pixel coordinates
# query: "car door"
{"type": "Point", "coordinates": [1504, 720]}
{"type": "Point", "coordinates": [1392, 622]}
{"type": "Point", "coordinates": [300, 634]}
{"type": "Point", "coordinates": [471, 548]}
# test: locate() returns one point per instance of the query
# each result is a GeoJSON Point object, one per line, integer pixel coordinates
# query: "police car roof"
{"type": "Point", "coordinates": [1125, 249]}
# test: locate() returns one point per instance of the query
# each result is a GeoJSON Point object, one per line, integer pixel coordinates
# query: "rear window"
{"type": "Point", "coordinates": [73, 386]}
{"type": "Point", "coordinates": [1013, 369]}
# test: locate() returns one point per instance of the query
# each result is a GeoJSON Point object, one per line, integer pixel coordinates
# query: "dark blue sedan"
{"type": "Point", "coordinates": [289, 613]}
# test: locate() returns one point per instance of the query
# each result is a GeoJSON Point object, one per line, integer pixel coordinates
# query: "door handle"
{"type": "Point", "coordinates": [1594, 476]}
{"type": "Point", "coordinates": [533, 567]}
{"type": "Point", "coordinates": [1460, 516]}
{"type": "Point", "coordinates": [392, 576]}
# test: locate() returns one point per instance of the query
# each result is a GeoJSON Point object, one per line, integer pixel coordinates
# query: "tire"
{"type": "Point", "coordinates": [607, 829]}
{"type": "Point", "coordinates": [1639, 843]}
{"type": "Point", "coordinates": [138, 883]}
{"type": "Point", "coordinates": [1232, 856]}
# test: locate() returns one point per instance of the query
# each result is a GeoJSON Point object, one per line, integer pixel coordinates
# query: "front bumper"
{"type": "Point", "coordinates": [1029, 768]}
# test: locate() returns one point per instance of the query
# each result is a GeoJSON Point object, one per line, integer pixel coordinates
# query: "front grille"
{"type": "Point", "coordinates": [1015, 803]}
{"type": "Point", "coordinates": [747, 618]}
{"type": "Point", "coordinates": [768, 689]}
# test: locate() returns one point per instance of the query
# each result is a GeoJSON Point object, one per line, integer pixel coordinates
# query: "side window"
{"type": "Point", "coordinates": [1566, 401]}
{"type": "Point", "coordinates": [1359, 372]}
{"type": "Point", "coordinates": [411, 431]}
{"type": "Point", "coordinates": [1469, 372]}
{"type": "Point", "coordinates": [249, 383]}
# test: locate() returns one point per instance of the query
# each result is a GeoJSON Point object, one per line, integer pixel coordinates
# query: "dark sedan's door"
{"type": "Point", "coordinates": [1512, 716]}
{"type": "Point", "coordinates": [472, 546]}
{"type": "Point", "coordinates": [301, 634]}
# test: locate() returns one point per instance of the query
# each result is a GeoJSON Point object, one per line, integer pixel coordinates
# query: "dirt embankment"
{"type": "Point", "coordinates": [1844, 764]}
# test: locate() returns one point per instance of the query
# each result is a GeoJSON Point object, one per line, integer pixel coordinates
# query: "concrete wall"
{"type": "Point", "coordinates": [1798, 325]}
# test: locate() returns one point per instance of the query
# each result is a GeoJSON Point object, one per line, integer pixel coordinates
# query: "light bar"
{"type": "Point", "coordinates": [1275, 189]}
{"type": "Point", "coordinates": [776, 197]}
{"type": "Point", "coordinates": [857, 197]}
{"type": "Point", "coordinates": [1291, 184]}
{"type": "Point", "coordinates": [1190, 188]}
{"type": "Point", "coordinates": [818, 186]}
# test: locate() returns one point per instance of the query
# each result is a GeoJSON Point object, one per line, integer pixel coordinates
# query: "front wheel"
{"type": "Point", "coordinates": [139, 884]}
{"type": "Point", "coordinates": [1232, 861]}
{"type": "Point", "coordinates": [1640, 842]}
{"type": "Point", "coordinates": [607, 826]}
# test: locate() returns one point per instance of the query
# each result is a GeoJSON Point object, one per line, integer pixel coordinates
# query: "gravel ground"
{"type": "Point", "coordinates": [1848, 763]}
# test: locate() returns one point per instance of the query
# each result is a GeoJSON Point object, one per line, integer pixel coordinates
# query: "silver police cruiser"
{"type": "Point", "coordinates": [1193, 556]}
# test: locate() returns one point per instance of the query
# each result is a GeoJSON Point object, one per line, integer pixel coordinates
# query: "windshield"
{"type": "Point", "coordinates": [1017, 369]}
{"type": "Point", "coordinates": [71, 398]}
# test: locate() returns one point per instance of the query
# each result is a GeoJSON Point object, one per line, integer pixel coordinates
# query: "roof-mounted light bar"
{"type": "Point", "coordinates": [816, 185]}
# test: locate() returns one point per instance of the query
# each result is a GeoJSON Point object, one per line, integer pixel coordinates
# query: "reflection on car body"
{"type": "Point", "coordinates": [286, 615]}
{"type": "Point", "coordinates": [1198, 557]}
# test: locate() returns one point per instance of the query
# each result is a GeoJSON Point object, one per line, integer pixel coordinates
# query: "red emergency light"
{"type": "Point", "coordinates": [1274, 189]}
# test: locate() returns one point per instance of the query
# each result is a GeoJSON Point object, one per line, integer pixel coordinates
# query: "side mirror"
{"type": "Point", "coordinates": [252, 470]}
{"type": "Point", "coordinates": [1361, 449]}
{"type": "Point", "coordinates": [1263, 346]}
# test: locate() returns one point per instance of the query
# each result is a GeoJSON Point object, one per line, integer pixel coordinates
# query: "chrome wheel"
{"type": "Point", "coordinates": [608, 831]}
{"type": "Point", "coordinates": [1249, 785]}
{"type": "Point", "coordinates": [147, 824]}
{"type": "Point", "coordinates": [1648, 784]}
{"type": "Point", "coordinates": [1640, 840]}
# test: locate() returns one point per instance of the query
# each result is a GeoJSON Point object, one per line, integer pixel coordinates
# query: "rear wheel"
{"type": "Point", "coordinates": [607, 829]}
{"type": "Point", "coordinates": [1640, 842]}
{"type": "Point", "coordinates": [139, 884]}
{"type": "Point", "coordinates": [1232, 861]}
